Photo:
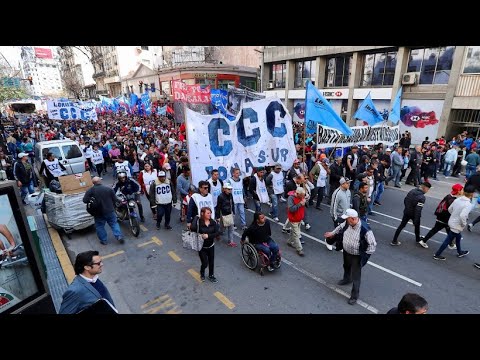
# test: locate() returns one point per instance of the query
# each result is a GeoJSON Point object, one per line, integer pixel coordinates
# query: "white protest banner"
{"type": "Point", "coordinates": [364, 135]}
{"type": "Point", "coordinates": [260, 135]}
{"type": "Point", "coordinates": [62, 109]}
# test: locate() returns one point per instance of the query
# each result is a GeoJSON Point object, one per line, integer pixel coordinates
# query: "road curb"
{"type": "Point", "coordinates": [61, 252]}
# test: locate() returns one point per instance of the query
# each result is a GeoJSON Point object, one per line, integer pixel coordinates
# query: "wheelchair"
{"type": "Point", "coordinates": [253, 258]}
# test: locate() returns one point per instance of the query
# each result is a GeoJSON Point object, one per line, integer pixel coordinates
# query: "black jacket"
{"type": "Point", "coordinates": [21, 174]}
{"type": "Point", "coordinates": [336, 172]}
{"type": "Point", "coordinates": [257, 234]}
{"type": "Point", "coordinates": [475, 181]}
{"type": "Point", "coordinates": [224, 205]}
{"type": "Point", "coordinates": [105, 195]}
{"type": "Point", "coordinates": [360, 203]}
{"type": "Point", "coordinates": [414, 202]}
{"type": "Point", "coordinates": [444, 216]}
{"type": "Point", "coordinates": [212, 230]}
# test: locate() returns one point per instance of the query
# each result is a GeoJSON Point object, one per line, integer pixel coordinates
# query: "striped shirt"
{"type": "Point", "coordinates": [351, 238]}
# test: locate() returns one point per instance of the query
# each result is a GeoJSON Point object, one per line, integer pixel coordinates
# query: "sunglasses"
{"type": "Point", "coordinates": [100, 263]}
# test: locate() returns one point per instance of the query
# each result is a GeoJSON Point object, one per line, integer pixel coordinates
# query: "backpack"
{"type": "Point", "coordinates": [93, 206]}
{"type": "Point", "coordinates": [443, 205]}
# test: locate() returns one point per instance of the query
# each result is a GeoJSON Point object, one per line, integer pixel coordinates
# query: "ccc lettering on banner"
{"type": "Point", "coordinates": [213, 129]}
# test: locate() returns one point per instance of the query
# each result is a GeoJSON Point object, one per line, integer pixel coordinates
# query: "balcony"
{"type": "Point", "coordinates": [98, 74]}
{"type": "Point", "coordinates": [468, 85]}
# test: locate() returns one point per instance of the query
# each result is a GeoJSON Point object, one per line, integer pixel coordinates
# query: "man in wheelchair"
{"type": "Point", "coordinates": [259, 235]}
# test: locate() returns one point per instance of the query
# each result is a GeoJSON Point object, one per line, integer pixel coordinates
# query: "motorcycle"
{"type": "Point", "coordinates": [16, 257]}
{"type": "Point", "coordinates": [125, 208]}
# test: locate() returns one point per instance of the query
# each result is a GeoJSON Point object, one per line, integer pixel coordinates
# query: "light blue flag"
{"type": "Point", "coordinates": [319, 111]}
{"type": "Point", "coordinates": [368, 113]}
{"type": "Point", "coordinates": [394, 115]}
{"type": "Point", "coordinates": [162, 110]}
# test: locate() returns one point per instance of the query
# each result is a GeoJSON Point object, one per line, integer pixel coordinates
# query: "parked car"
{"type": "Point", "coordinates": [67, 152]}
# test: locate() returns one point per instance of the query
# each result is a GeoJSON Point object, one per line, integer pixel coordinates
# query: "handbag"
{"type": "Point", "coordinates": [227, 220]}
{"type": "Point", "coordinates": [192, 240]}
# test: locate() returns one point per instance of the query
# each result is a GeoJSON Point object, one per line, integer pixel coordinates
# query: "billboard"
{"type": "Point", "coordinates": [421, 118]}
{"type": "Point", "coordinates": [20, 280]}
{"type": "Point", "coordinates": [43, 53]}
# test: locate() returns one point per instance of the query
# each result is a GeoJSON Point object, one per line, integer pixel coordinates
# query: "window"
{"type": "Point", "coordinates": [54, 150]}
{"type": "Point", "coordinates": [206, 82]}
{"type": "Point", "coordinates": [434, 64]}
{"type": "Point", "coordinates": [472, 62]}
{"type": "Point", "coordinates": [71, 151]}
{"type": "Point", "coordinates": [166, 87]}
{"type": "Point", "coordinates": [144, 47]}
{"type": "Point", "coordinates": [278, 75]}
{"type": "Point", "coordinates": [338, 71]}
{"type": "Point", "coordinates": [304, 70]}
{"type": "Point", "coordinates": [379, 69]}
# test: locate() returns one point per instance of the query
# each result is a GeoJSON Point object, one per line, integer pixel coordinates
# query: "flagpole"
{"type": "Point", "coordinates": [305, 124]}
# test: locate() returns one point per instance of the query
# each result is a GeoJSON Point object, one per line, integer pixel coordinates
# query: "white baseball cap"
{"type": "Point", "coordinates": [162, 173]}
{"type": "Point", "coordinates": [350, 213]}
{"type": "Point", "coordinates": [22, 154]}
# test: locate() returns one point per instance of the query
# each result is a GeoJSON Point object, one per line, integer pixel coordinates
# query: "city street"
{"type": "Point", "coordinates": [155, 274]}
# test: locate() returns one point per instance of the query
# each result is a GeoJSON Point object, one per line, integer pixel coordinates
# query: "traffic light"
{"type": "Point", "coordinates": [30, 80]}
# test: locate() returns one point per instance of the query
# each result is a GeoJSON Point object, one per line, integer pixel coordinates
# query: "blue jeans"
{"type": "Point", "coordinates": [471, 169]}
{"type": "Point", "coordinates": [370, 204]}
{"type": "Point", "coordinates": [450, 236]}
{"type": "Point", "coordinates": [240, 209]}
{"type": "Point", "coordinates": [274, 200]}
{"type": "Point", "coordinates": [380, 190]}
{"type": "Point", "coordinates": [27, 189]}
{"type": "Point", "coordinates": [448, 168]}
{"type": "Point", "coordinates": [111, 219]}
{"type": "Point", "coordinates": [271, 250]}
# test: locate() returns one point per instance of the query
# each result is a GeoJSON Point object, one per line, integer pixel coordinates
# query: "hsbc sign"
{"type": "Point", "coordinates": [334, 93]}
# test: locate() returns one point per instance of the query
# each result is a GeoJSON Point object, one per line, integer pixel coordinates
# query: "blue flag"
{"type": "Point", "coordinates": [146, 104]}
{"type": "Point", "coordinates": [394, 115]}
{"type": "Point", "coordinates": [319, 111]}
{"type": "Point", "coordinates": [162, 110]}
{"type": "Point", "coordinates": [368, 113]}
{"type": "Point", "coordinates": [133, 100]}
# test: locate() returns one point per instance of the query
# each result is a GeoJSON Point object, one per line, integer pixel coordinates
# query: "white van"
{"type": "Point", "coordinates": [67, 152]}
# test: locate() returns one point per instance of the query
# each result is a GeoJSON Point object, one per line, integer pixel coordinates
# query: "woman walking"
{"type": "Point", "coordinates": [209, 229]}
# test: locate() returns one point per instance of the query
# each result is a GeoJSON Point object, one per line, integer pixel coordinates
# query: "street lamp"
{"type": "Point", "coordinates": [261, 69]}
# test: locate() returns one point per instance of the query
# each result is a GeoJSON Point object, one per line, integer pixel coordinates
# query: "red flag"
{"type": "Point", "coordinates": [169, 110]}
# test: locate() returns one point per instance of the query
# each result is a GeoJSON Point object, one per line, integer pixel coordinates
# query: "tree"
{"type": "Point", "coordinates": [7, 93]}
{"type": "Point", "coordinates": [72, 83]}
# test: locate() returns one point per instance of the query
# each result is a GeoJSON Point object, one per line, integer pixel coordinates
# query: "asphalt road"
{"type": "Point", "coordinates": [155, 274]}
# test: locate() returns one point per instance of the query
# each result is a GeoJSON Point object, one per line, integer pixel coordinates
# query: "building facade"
{"type": "Point", "coordinates": [76, 72]}
{"type": "Point", "coordinates": [441, 85]}
{"type": "Point", "coordinates": [42, 64]}
{"type": "Point", "coordinates": [113, 64]}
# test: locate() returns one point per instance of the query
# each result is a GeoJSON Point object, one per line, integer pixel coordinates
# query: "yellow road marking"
{"type": "Point", "coordinates": [175, 310]}
{"type": "Point", "coordinates": [112, 254]}
{"type": "Point", "coordinates": [195, 275]}
{"type": "Point", "coordinates": [157, 241]}
{"type": "Point", "coordinates": [224, 300]}
{"type": "Point", "coordinates": [174, 256]}
{"type": "Point", "coordinates": [143, 228]}
{"type": "Point", "coordinates": [151, 302]}
{"type": "Point", "coordinates": [146, 243]}
{"type": "Point", "coordinates": [168, 303]}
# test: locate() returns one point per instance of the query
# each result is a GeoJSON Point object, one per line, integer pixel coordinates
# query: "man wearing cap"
{"type": "Point", "coordinates": [358, 244]}
{"type": "Point", "coordinates": [294, 170]}
{"type": "Point", "coordinates": [275, 182]}
{"type": "Point", "coordinates": [23, 172]}
{"type": "Point", "coordinates": [414, 202]}
{"type": "Point", "coordinates": [225, 207]}
{"type": "Point", "coordinates": [341, 200]}
{"type": "Point", "coordinates": [459, 211]}
{"type": "Point", "coordinates": [161, 197]}
{"type": "Point", "coordinates": [443, 215]}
